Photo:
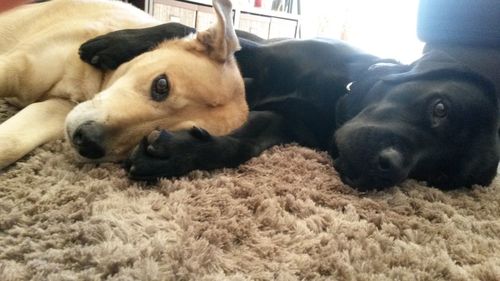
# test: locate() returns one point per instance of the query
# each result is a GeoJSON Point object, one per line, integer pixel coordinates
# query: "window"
{"type": "Point", "coordinates": [386, 28]}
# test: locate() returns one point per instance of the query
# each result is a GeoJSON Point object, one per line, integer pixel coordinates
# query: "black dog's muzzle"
{"type": "Point", "coordinates": [381, 162]}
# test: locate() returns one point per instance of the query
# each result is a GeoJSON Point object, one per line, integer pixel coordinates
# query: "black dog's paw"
{"type": "Point", "coordinates": [99, 53]}
{"type": "Point", "coordinates": [163, 144]}
{"type": "Point", "coordinates": [200, 134]}
{"type": "Point", "coordinates": [110, 50]}
{"type": "Point", "coordinates": [165, 154]}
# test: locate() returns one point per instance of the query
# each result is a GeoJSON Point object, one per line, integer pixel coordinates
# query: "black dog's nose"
{"type": "Point", "coordinates": [390, 161]}
{"type": "Point", "coordinates": [88, 138]}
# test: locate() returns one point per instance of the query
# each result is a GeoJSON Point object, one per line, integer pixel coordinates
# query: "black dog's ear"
{"type": "Point", "coordinates": [427, 66]}
{"type": "Point", "coordinates": [363, 67]}
{"type": "Point", "coordinates": [439, 65]}
{"type": "Point", "coordinates": [363, 82]}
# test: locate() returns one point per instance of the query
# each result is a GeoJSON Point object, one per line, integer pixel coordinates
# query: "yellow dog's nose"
{"type": "Point", "coordinates": [88, 138]}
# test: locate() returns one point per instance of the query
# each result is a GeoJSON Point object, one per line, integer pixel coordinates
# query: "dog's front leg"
{"type": "Point", "coordinates": [34, 125]}
{"type": "Point", "coordinates": [110, 50]}
{"type": "Point", "coordinates": [165, 154]}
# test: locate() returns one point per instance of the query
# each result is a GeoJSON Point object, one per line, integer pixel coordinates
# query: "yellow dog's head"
{"type": "Point", "coordinates": [182, 83]}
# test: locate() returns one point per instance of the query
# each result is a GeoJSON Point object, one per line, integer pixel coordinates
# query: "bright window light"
{"type": "Point", "coordinates": [386, 28]}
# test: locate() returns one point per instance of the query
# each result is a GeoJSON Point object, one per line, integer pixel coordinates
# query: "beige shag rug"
{"type": "Point", "coordinates": [283, 216]}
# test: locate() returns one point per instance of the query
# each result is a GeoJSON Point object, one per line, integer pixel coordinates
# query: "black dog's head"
{"type": "Point", "coordinates": [434, 120]}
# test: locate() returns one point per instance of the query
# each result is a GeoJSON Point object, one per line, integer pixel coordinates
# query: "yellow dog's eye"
{"type": "Point", "coordinates": [160, 88]}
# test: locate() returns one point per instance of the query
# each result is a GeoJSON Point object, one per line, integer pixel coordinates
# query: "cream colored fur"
{"type": "Point", "coordinates": [41, 72]}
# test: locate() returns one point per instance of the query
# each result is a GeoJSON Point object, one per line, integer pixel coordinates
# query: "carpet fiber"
{"type": "Point", "coordinates": [282, 216]}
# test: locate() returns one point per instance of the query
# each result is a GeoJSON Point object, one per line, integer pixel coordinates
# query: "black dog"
{"type": "Point", "coordinates": [434, 120]}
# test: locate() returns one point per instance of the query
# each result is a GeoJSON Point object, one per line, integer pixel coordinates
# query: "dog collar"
{"type": "Point", "coordinates": [349, 86]}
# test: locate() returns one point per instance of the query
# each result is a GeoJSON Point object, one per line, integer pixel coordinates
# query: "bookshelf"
{"type": "Point", "coordinates": [198, 14]}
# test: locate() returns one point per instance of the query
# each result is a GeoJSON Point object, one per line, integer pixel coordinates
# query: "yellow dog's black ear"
{"type": "Point", "coordinates": [220, 40]}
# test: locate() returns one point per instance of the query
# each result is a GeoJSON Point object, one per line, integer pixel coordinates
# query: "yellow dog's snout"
{"type": "Point", "coordinates": [88, 139]}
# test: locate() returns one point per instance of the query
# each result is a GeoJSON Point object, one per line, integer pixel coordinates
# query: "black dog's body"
{"type": "Point", "coordinates": [398, 121]}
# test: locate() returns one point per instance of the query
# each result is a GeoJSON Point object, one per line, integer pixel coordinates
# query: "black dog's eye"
{"type": "Point", "coordinates": [439, 110]}
{"type": "Point", "coordinates": [160, 88]}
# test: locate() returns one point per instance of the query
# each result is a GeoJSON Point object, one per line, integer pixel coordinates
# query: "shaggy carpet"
{"type": "Point", "coordinates": [282, 216]}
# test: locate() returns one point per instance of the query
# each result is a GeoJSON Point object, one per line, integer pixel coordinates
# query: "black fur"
{"type": "Point", "coordinates": [380, 133]}
{"type": "Point", "coordinates": [391, 107]}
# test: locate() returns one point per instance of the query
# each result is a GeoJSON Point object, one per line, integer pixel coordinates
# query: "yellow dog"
{"type": "Point", "coordinates": [182, 83]}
